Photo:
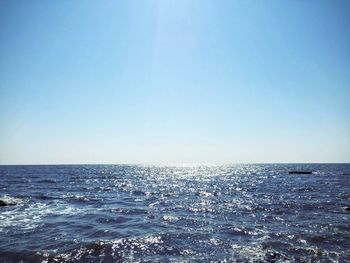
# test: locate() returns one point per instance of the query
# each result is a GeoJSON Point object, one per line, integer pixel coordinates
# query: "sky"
{"type": "Point", "coordinates": [174, 81]}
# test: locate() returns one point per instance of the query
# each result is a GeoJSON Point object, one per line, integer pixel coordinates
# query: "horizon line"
{"type": "Point", "coordinates": [165, 164]}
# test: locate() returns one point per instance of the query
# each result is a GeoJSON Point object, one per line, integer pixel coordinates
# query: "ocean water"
{"type": "Point", "coordinates": [126, 213]}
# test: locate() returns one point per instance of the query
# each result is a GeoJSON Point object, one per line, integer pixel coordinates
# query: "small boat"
{"type": "Point", "coordinates": [300, 172]}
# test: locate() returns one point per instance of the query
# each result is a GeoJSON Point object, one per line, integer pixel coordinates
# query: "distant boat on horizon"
{"type": "Point", "coordinates": [300, 172]}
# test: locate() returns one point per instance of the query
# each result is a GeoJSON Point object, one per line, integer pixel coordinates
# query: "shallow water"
{"type": "Point", "coordinates": [124, 213]}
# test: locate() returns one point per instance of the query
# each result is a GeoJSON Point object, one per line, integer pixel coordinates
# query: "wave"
{"type": "Point", "coordinates": [9, 200]}
{"type": "Point", "coordinates": [28, 215]}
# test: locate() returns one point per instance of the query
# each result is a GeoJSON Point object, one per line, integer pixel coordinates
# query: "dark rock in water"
{"type": "Point", "coordinates": [3, 203]}
{"type": "Point", "coordinates": [300, 172]}
{"type": "Point", "coordinates": [347, 209]}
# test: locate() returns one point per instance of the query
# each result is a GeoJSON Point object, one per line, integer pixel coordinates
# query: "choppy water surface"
{"type": "Point", "coordinates": [117, 213]}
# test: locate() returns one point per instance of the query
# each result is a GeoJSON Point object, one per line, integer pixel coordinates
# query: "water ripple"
{"type": "Point", "coordinates": [116, 213]}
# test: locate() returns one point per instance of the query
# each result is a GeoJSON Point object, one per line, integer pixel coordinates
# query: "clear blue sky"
{"type": "Point", "coordinates": [174, 81]}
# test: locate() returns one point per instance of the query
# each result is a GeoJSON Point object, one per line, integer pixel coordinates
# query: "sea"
{"type": "Point", "coordinates": [176, 213]}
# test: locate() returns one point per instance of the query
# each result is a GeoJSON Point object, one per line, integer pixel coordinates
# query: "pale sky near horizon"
{"type": "Point", "coordinates": [174, 81]}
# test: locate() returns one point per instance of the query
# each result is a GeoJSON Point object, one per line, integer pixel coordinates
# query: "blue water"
{"type": "Point", "coordinates": [125, 213]}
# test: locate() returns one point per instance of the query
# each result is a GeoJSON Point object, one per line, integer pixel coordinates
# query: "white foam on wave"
{"type": "Point", "coordinates": [26, 216]}
{"type": "Point", "coordinates": [11, 200]}
{"type": "Point", "coordinates": [251, 251]}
